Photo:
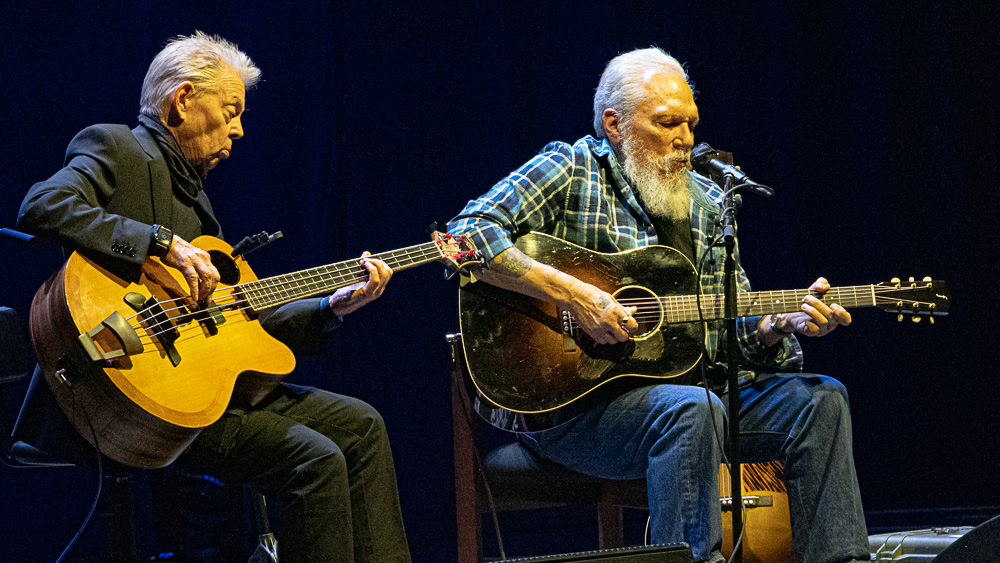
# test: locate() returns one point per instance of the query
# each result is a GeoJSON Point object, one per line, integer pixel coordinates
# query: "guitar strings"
{"type": "Point", "coordinates": [683, 308]}
{"type": "Point", "coordinates": [283, 285]}
{"type": "Point", "coordinates": [650, 308]}
{"type": "Point", "coordinates": [278, 284]}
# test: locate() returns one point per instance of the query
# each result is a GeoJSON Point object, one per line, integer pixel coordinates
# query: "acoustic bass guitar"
{"type": "Point", "coordinates": [140, 368]}
{"type": "Point", "coordinates": [532, 367]}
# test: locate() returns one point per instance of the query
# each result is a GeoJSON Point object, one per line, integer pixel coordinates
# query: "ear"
{"type": "Point", "coordinates": [180, 100]}
{"type": "Point", "coordinates": [612, 122]}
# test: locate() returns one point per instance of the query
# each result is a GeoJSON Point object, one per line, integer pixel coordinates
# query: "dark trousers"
{"type": "Point", "coordinates": [327, 458]}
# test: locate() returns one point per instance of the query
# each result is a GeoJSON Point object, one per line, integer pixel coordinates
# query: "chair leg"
{"type": "Point", "coordinates": [468, 510]}
{"type": "Point", "coordinates": [267, 544]}
{"type": "Point", "coordinates": [121, 513]}
{"type": "Point", "coordinates": [609, 526]}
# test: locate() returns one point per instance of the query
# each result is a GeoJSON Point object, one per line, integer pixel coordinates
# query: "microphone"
{"type": "Point", "coordinates": [718, 164]}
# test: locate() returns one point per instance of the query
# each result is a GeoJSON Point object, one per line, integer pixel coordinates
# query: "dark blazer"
{"type": "Point", "coordinates": [113, 186]}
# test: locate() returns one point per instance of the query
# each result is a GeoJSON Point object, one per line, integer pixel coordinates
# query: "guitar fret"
{"type": "Point", "coordinates": [684, 308]}
{"type": "Point", "coordinates": [278, 290]}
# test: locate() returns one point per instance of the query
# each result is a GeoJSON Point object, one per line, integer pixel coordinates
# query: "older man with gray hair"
{"type": "Point", "coordinates": [125, 195]}
{"type": "Point", "coordinates": [629, 187]}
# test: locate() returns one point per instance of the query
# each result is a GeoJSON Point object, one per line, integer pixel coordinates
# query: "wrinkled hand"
{"type": "Point", "coordinates": [351, 298]}
{"type": "Point", "coordinates": [600, 316]}
{"type": "Point", "coordinates": [817, 318]}
{"type": "Point", "coordinates": [195, 265]}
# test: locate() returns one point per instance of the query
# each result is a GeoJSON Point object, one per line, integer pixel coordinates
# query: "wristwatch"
{"type": "Point", "coordinates": [160, 240]}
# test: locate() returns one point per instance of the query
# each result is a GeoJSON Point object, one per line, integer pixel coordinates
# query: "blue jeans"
{"type": "Point", "coordinates": [664, 433]}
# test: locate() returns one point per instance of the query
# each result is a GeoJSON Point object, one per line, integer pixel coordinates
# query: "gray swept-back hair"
{"type": "Point", "coordinates": [201, 59]}
{"type": "Point", "coordinates": [621, 85]}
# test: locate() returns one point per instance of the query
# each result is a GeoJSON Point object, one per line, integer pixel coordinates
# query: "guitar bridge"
{"type": "Point", "coordinates": [567, 323]}
{"type": "Point", "coordinates": [569, 343]}
{"type": "Point", "coordinates": [752, 501]}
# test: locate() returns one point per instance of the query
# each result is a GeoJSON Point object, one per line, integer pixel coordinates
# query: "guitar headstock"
{"type": "Point", "coordinates": [457, 251]}
{"type": "Point", "coordinates": [922, 298]}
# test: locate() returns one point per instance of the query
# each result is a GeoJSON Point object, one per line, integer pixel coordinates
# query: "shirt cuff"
{"type": "Point", "coordinates": [330, 320]}
{"type": "Point", "coordinates": [755, 350]}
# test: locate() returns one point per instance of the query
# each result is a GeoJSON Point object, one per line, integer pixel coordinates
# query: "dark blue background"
{"type": "Point", "coordinates": [875, 123]}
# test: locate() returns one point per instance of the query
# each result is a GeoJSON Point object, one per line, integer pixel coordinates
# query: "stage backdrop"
{"type": "Point", "coordinates": [875, 125]}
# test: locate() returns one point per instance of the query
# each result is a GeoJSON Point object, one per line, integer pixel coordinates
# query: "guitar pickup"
{"type": "Point", "coordinates": [210, 317]}
{"type": "Point", "coordinates": [160, 324]}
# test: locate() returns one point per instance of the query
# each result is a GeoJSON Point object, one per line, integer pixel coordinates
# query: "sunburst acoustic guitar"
{"type": "Point", "coordinates": [532, 368]}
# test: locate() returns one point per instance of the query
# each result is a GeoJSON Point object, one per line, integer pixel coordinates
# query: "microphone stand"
{"type": "Point", "coordinates": [729, 203]}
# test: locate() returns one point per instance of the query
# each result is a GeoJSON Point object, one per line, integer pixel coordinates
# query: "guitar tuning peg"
{"type": "Point", "coordinates": [915, 319]}
{"type": "Point", "coordinates": [927, 279]}
{"type": "Point", "coordinates": [900, 317]}
{"type": "Point", "coordinates": [895, 281]}
{"type": "Point", "coordinates": [930, 319]}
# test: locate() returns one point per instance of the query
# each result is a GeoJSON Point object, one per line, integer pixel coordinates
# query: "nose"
{"type": "Point", "coordinates": [235, 128]}
{"type": "Point", "coordinates": [685, 137]}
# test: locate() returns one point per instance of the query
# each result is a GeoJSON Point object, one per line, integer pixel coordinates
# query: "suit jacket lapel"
{"type": "Point", "coordinates": [160, 184]}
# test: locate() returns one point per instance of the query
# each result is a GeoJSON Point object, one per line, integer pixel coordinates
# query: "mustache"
{"type": "Point", "coordinates": [679, 156]}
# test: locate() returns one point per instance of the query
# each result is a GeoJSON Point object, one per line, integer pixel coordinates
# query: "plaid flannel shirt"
{"type": "Point", "coordinates": [578, 193]}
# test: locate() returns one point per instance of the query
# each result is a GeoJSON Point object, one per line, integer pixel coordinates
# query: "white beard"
{"type": "Point", "coordinates": [662, 183]}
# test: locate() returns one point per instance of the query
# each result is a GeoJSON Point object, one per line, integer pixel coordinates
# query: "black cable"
{"type": "Point", "coordinates": [100, 479]}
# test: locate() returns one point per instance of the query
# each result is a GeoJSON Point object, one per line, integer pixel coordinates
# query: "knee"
{"type": "Point", "coordinates": [370, 422]}
{"type": "Point", "coordinates": [692, 406]}
{"type": "Point", "coordinates": [317, 467]}
{"type": "Point", "coordinates": [702, 406]}
{"type": "Point", "coordinates": [829, 400]}
{"type": "Point", "coordinates": [311, 449]}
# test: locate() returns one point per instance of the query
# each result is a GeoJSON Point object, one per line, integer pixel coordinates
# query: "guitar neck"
{"type": "Point", "coordinates": [278, 290]}
{"type": "Point", "coordinates": [684, 308]}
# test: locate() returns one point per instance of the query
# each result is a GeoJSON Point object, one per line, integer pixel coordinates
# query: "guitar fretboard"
{"type": "Point", "coordinates": [684, 308]}
{"type": "Point", "coordinates": [278, 290]}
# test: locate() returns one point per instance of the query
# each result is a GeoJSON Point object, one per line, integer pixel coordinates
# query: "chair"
{"type": "Point", "coordinates": [519, 480]}
{"type": "Point", "coordinates": [16, 362]}
{"type": "Point", "coordinates": [15, 367]}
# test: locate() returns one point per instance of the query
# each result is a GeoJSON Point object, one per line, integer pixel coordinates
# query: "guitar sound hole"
{"type": "Point", "coordinates": [229, 272]}
{"type": "Point", "coordinates": [650, 310]}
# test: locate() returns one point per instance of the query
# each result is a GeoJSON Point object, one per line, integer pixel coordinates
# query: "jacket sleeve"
{"type": "Point", "coordinates": [306, 326]}
{"type": "Point", "coordinates": [71, 206]}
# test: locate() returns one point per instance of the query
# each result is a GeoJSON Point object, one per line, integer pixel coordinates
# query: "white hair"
{"type": "Point", "coordinates": [201, 59]}
{"type": "Point", "coordinates": [621, 86]}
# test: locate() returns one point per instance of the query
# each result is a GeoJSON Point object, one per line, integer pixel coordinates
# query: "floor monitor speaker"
{"type": "Point", "coordinates": [662, 553]}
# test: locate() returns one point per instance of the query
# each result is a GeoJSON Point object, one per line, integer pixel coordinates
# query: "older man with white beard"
{"type": "Point", "coordinates": [630, 187]}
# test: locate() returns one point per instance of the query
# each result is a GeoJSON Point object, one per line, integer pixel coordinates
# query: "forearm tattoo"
{"type": "Point", "coordinates": [511, 262]}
